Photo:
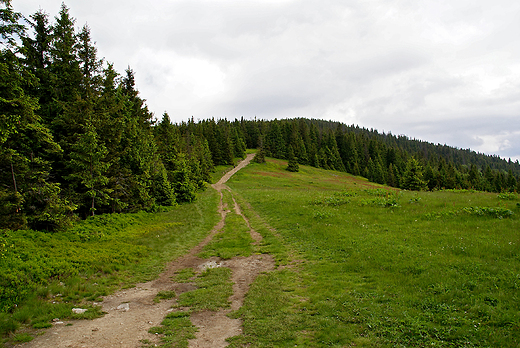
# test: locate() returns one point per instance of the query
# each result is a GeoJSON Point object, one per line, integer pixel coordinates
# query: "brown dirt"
{"type": "Point", "coordinates": [122, 327]}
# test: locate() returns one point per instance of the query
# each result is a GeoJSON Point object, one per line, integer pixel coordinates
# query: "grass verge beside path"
{"type": "Point", "coordinates": [96, 257]}
{"type": "Point", "coordinates": [382, 268]}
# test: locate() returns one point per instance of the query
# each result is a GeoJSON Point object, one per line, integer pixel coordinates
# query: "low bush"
{"type": "Point", "coordinates": [496, 212]}
{"type": "Point", "coordinates": [508, 196]}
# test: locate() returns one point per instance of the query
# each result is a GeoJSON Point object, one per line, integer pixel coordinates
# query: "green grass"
{"type": "Point", "coordinates": [214, 287]}
{"type": "Point", "coordinates": [164, 295]}
{"type": "Point", "coordinates": [175, 330]}
{"type": "Point", "coordinates": [272, 313]}
{"type": "Point", "coordinates": [359, 264]}
{"type": "Point", "coordinates": [184, 275]}
{"type": "Point", "coordinates": [43, 275]}
{"type": "Point", "coordinates": [382, 268]}
{"type": "Point", "coordinates": [234, 240]}
{"type": "Point", "coordinates": [22, 337]}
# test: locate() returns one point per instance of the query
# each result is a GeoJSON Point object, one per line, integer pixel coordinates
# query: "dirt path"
{"type": "Point", "coordinates": [130, 313]}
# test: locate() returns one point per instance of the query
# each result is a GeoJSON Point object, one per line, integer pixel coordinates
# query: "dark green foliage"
{"type": "Point", "coordinates": [259, 155]}
{"type": "Point", "coordinates": [67, 115]}
{"type": "Point", "coordinates": [413, 176]}
{"type": "Point", "coordinates": [89, 167]}
{"type": "Point", "coordinates": [186, 157]}
{"type": "Point", "coordinates": [27, 194]}
{"type": "Point", "coordinates": [183, 186]}
{"type": "Point", "coordinates": [239, 145]}
{"type": "Point", "coordinates": [274, 142]}
{"type": "Point", "coordinates": [383, 157]}
{"type": "Point", "coordinates": [292, 165]}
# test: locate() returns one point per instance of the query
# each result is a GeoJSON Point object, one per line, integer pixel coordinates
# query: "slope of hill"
{"type": "Point", "coordinates": [356, 264]}
{"type": "Point", "coordinates": [368, 265]}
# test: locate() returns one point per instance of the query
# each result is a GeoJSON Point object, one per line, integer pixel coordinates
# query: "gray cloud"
{"type": "Point", "coordinates": [444, 71]}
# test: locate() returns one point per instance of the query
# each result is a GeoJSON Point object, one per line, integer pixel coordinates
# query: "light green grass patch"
{"type": "Point", "coordinates": [213, 290]}
{"type": "Point", "coordinates": [164, 295]}
{"type": "Point", "coordinates": [234, 240]}
{"type": "Point", "coordinates": [22, 337]}
{"type": "Point", "coordinates": [175, 330]}
{"type": "Point", "coordinates": [274, 318]}
{"type": "Point", "coordinates": [184, 275]}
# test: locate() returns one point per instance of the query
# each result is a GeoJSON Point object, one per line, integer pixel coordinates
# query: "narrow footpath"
{"type": "Point", "coordinates": [132, 312]}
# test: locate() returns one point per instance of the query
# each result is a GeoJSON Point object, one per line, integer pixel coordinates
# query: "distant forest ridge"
{"type": "Point", "coordinates": [379, 157]}
{"type": "Point", "coordinates": [76, 139]}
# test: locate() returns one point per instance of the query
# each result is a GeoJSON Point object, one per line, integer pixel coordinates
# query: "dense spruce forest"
{"type": "Point", "coordinates": [77, 139]}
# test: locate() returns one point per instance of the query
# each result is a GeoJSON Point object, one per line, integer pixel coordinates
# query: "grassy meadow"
{"type": "Point", "coordinates": [357, 264]}
{"type": "Point", "coordinates": [366, 265]}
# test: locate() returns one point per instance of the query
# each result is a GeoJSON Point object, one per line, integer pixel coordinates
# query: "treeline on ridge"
{"type": "Point", "coordinates": [78, 140]}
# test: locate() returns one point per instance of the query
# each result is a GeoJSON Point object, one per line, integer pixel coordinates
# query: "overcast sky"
{"type": "Point", "coordinates": [442, 71]}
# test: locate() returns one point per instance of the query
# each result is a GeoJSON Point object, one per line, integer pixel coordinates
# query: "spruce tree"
{"type": "Point", "coordinates": [239, 145]}
{"type": "Point", "coordinates": [301, 151]}
{"type": "Point", "coordinates": [185, 190]}
{"type": "Point", "coordinates": [379, 175]}
{"type": "Point", "coordinates": [27, 193]}
{"type": "Point", "coordinates": [292, 165]}
{"type": "Point", "coordinates": [89, 168]}
{"type": "Point", "coordinates": [225, 143]}
{"type": "Point", "coordinates": [260, 154]}
{"type": "Point", "coordinates": [413, 176]}
{"type": "Point", "coordinates": [511, 181]}
{"type": "Point", "coordinates": [390, 176]}
{"type": "Point", "coordinates": [474, 177]}
{"type": "Point", "coordinates": [65, 65]}
{"type": "Point", "coordinates": [429, 177]}
{"type": "Point", "coordinates": [274, 141]}
{"type": "Point", "coordinates": [36, 58]}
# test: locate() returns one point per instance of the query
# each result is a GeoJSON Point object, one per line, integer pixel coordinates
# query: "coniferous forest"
{"type": "Point", "coordinates": [77, 139]}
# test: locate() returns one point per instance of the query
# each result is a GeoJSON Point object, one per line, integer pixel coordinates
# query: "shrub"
{"type": "Point", "coordinates": [508, 196]}
{"type": "Point", "coordinates": [496, 212]}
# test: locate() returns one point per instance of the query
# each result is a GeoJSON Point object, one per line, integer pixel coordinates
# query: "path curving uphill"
{"type": "Point", "coordinates": [131, 313]}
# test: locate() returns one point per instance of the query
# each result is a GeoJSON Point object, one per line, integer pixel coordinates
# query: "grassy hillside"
{"type": "Point", "coordinates": [366, 265]}
{"type": "Point", "coordinates": [358, 264]}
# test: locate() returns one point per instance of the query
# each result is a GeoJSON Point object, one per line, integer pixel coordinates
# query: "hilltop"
{"type": "Point", "coordinates": [78, 140]}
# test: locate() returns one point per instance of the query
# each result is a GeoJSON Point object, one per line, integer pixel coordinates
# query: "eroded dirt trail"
{"type": "Point", "coordinates": [131, 313]}
{"type": "Point", "coordinates": [215, 327]}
